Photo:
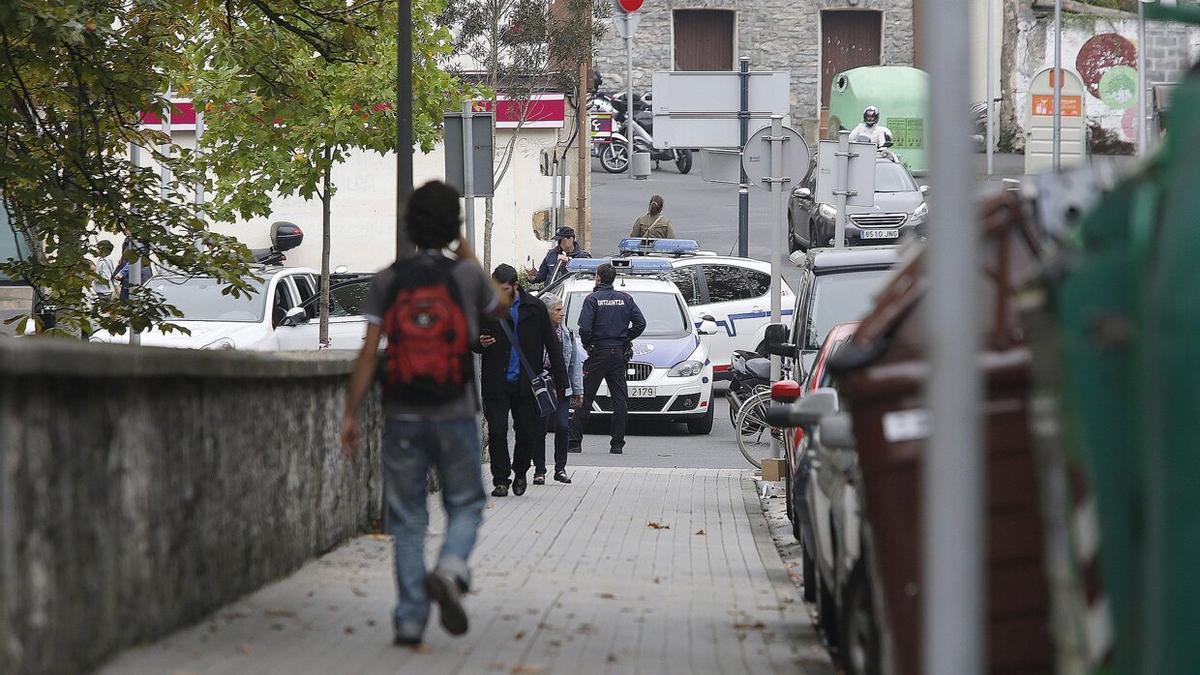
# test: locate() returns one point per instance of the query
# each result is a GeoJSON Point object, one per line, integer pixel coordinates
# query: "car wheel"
{"type": "Point", "coordinates": [860, 631]}
{"type": "Point", "coordinates": [703, 425]}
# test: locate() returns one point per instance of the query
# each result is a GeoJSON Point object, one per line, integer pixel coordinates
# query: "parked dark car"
{"type": "Point", "coordinates": [899, 210]}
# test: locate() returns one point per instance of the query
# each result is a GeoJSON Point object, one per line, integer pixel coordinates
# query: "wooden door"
{"type": "Point", "coordinates": [703, 39]}
{"type": "Point", "coordinates": [849, 39]}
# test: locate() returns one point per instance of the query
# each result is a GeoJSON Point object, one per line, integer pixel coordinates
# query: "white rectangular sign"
{"type": "Point", "coordinates": [860, 173]}
{"type": "Point", "coordinates": [699, 109]}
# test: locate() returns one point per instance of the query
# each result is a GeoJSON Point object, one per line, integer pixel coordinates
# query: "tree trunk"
{"type": "Point", "coordinates": [326, 197]}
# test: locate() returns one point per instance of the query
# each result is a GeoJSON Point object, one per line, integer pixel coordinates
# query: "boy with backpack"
{"type": "Point", "coordinates": [429, 307]}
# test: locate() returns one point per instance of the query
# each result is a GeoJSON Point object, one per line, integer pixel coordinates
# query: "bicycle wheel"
{"type": "Point", "coordinates": [753, 432]}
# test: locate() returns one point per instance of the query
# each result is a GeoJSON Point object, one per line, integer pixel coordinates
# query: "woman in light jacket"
{"type": "Point", "coordinates": [573, 358]}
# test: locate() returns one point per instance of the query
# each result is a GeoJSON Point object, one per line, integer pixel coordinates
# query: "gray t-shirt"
{"type": "Point", "coordinates": [478, 299]}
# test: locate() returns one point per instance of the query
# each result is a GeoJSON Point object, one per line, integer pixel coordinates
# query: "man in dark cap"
{"type": "Point", "coordinates": [560, 254]}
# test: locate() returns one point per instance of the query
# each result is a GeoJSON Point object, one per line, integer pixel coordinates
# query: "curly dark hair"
{"type": "Point", "coordinates": [432, 217]}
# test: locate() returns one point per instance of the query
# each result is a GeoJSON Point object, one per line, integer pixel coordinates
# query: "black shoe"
{"type": "Point", "coordinates": [401, 640]}
{"type": "Point", "coordinates": [561, 476]}
{"type": "Point", "coordinates": [447, 593]}
{"type": "Point", "coordinates": [539, 479]}
{"type": "Point", "coordinates": [518, 486]}
{"type": "Point", "coordinates": [575, 448]}
{"type": "Point", "coordinates": [500, 491]}
{"type": "Point", "coordinates": [617, 449]}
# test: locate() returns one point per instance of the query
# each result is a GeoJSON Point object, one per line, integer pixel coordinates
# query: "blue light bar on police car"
{"type": "Point", "coordinates": [622, 265]}
{"type": "Point", "coordinates": [658, 246]}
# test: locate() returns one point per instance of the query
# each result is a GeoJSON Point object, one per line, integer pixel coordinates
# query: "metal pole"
{"type": "Point", "coordinates": [468, 118]}
{"type": "Point", "coordinates": [744, 186]}
{"type": "Point", "coordinates": [404, 116]}
{"type": "Point", "coordinates": [1143, 131]}
{"type": "Point", "coordinates": [776, 186]}
{"type": "Point", "coordinates": [953, 541]}
{"type": "Point", "coordinates": [1057, 78]}
{"type": "Point", "coordinates": [991, 94]}
{"type": "Point", "coordinates": [562, 191]}
{"type": "Point", "coordinates": [842, 190]}
{"type": "Point", "coordinates": [554, 195]}
{"type": "Point", "coordinates": [629, 93]}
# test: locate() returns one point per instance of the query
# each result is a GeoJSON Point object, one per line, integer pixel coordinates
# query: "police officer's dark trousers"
{"type": "Point", "coordinates": [603, 364]}
{"type": "Point", "coordinates": [529, 427]}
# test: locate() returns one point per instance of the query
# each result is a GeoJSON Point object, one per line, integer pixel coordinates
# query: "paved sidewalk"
{"type": "Point", "coordinates": [626, 571]}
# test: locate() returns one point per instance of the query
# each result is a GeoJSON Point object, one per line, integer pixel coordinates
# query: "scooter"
{"type": "Point", "coordinates": [285, 236]}
{"type": "Point", "coordinates": [614, 157]}
{"type": "Point", "coordinates": [750, 373]}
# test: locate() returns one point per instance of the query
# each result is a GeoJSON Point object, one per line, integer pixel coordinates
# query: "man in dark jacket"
{"type": "Point", "coordinates": [608, 324]}
{"type": "Point", "coordinates": [505, 385]}
{"type": "Point", "coordinates": [562, 253]}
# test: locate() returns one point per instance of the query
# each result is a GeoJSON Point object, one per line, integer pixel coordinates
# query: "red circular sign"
{"type": "Point", "coordinates": [631, 5]}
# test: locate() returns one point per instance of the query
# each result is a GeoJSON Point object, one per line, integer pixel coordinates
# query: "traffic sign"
{"type": "Point", "coordinates": [700, 109]}
{"type": "Point", "coordinates": [756, 156]}
{"type": "Point", "coordinates": [629, 5]}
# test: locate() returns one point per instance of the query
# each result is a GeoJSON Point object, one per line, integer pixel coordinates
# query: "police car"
{"type": "Point", "coordinates": [734, 292]}
{"type": "Point", "coordinates": [670, 376]}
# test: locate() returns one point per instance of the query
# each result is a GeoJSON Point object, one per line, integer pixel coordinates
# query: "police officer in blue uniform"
{"type": "Point", "coordinates": [562, 253]}
{"type": "Point", "coordinates": [608, 324]}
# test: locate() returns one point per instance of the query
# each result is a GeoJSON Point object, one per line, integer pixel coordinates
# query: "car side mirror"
{"type": "Point", "coordinates": [836, 431]}
{"type": "Point", "coordinates": [708, 326]}
{"type": "Point", "coordinates": [924, 189]}
{"type": "Point", "coordinates": [295, 316]}
{"type": "Point", "coordinates": [802, 193]}
{"type": "Point", "coordinates": [816, 405]}
{"type": "Point", "coordinates": [775, 341]}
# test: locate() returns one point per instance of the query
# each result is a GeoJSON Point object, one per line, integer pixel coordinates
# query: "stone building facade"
{"type": "Point", "coordinates": [774, 34]}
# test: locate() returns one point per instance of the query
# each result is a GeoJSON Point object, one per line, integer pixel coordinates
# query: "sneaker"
{"type": "Point", "coordinates": [407, 634]}
{"type": "Point", "coordinates": [561, 476]}
{"type": "Point", "coordinates": [518, 486]}
{"type": "Point", "coordinates": [446, 591]}
{"type": "Point", "coordinates": [500, 491]}
{"type": "Point", "coordinates": [574, 448]}
{"type": "Point", "coordinates": [539, 479]}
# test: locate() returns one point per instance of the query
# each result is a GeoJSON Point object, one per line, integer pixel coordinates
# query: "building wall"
{"type": "Point", "coordinates": [363, 211]}
{"type": "Point", "coordinates": [1103, 50]}
{"type": "Point", "coordinates": [775, 34]}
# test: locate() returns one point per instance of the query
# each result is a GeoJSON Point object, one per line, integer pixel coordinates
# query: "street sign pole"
{"type": "Point", "coordinates": [743, 188]}
{"type": "Point", "coordinates": [842, 191]}
{"type": "Point", "coordinates": [991, 132]}
{"type": "Point", "coordinates": [776, 185]}
{"type": "Point", "coordinates": [1057, 78]}
{"type": "Point", "coordinates": [1143, 135]}
{"type": "Point", "coordinates": [629, 94]}
{"type": "Point", "coordinates": [468, 153]}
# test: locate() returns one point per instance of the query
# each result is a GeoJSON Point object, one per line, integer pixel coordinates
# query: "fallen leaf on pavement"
{"type": "Point", "coordinates": [422, 649]}
{"type": "Point", "coordinates": [358, 591]}
{"type": "Point", "coordinates": [657, 526]}
{"type": "Point", "coordinates": [245, 649]}
{"type": "Point", "coordinates": [749, 626]}
{"type": "Point", "coordinates": [608, 596]}
{"type": "Point", "coordinates": [349, 630]}
{"type": "Point", "coordinates": [700, 533]}
{"type": "Point", "coordinates": [527, 668]}
{"type": "Point", "coordinates": [370, 622]}
{"type": "Point", "coordinates": [279, 613]}
{"type": "Point", "coordinates": [520, 635]}
{"type": "Point", "coordinates": [612, 658]}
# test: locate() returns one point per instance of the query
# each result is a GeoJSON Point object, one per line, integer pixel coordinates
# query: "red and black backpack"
{"type": "Point", "coordinates": [428, 358]}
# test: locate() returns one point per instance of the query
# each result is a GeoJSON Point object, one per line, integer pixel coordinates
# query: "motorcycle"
{"type": "Point", "coordinates": [750, 373]}
{"type": "Point", "coordinates": [614, 157]}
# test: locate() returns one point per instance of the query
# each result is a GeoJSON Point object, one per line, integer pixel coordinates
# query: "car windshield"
{"type": "Point", "coordinates": [892, 177]}
{"type": "Point", "coordinates": [665, 314]}
{"type": "Point", "coordinates": [200, 299]}
{"type": "Point", "coordinates": [841, 297]}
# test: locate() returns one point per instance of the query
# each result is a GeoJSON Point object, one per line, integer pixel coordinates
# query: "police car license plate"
{"type": "Point", "coordinates": [641, 392]}
{"type": "Point", "coordinates": [880, 234]}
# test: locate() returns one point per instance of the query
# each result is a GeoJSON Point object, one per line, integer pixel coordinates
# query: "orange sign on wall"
{"type": "Point", "coordinates": [1043, 105]}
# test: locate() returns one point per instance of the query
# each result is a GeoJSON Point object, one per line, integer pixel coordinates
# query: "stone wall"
{"type": "Point", "coordinates": [775, 34]}
{"type": "Point", "coordinates": [141, 489]}
{"type": "Point", "coordinates": [1103, 50]}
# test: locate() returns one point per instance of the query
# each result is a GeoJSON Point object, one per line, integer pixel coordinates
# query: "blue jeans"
{"type": "Point", "coordinates": [409, 449]}
{"type": "Point", "coordinates": [562, 433]}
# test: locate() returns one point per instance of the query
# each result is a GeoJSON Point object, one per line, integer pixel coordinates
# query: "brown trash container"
{"type": "Point", "coordinates": [886, 399]}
